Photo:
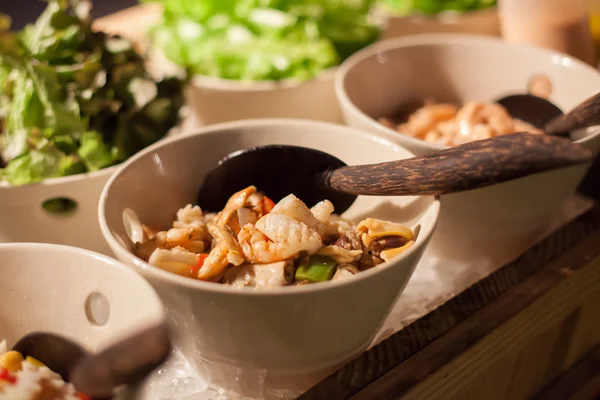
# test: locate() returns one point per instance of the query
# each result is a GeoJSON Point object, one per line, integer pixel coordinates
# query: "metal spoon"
{"type": "Point", "coordinates": [97, 375]}
{"type": "Point", "coordinates": [546, 116]}
{"type": "Point", "coordinates": [313, 175]}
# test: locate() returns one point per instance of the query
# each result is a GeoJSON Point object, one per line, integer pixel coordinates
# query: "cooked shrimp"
{"type": "Point", "coordinates": [227, 251]}
{"type": "Point", "coordinates": [446, 124]}
{"type": "Point", "coordinates": [491, 114]}
{"type": "Point", "coordinates": [238, 200]}
{"type": "Point", "coordinates": [235, 255]}
{"type": "Point", "coordinates": [215, 263]}
{"type": "Point", "coordinates": [426, 118]}
{"type": "Point", "coordinates": [276, 237]}
{"type": "Point", "coordinates": [339, 254]}
{"type": "Point", "coordinates": [295, 208]}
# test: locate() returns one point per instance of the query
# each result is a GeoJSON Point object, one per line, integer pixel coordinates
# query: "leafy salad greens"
{"type": "Point", "coordinates": [73, 100]}
{"type": "Point", "coordinates": [433, 7]}
{"type": "Point", "coordinates": [255, 40]}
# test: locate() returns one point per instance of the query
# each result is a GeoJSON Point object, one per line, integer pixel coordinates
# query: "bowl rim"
{"type": "Point", "coordinates": [428, 39]}
{"type": "Point", "coordinates": [222, 84]}
{"type": "Point", "coordinates": [189, 283]}
{"type": "Point", "coordinates": [62, 180]}
{"type": "Point", "coordinates": [447, 17]}
{"type": "Point", "coordinates": [29, 247]}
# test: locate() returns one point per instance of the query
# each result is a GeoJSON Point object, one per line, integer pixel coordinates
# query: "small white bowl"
{"type": "Point", "coordinates": [215, 100]}
{"type": "Point", "coordinates": [284, 338]}
{"type": "Point", "coordinates": [498, 220]}
{"type": "Point", "coordinates": [85, 296]}
{"type": "Point", "coordinates": [23, 219]}
{"type": "Point", "coordinates": [483, 22]}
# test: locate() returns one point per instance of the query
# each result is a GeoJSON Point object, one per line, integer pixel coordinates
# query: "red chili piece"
{"type": "Point", "coordinates": [5, 375]}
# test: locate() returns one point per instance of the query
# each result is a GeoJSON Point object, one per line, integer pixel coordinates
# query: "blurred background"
{"type": "Point", "coordinates": [25, 11]}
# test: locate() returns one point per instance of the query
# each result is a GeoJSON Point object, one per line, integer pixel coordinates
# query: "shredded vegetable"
{"type": "Point", "coordinates": [254, 40]}
{"type": "Point", "coordinates": [73, 100]}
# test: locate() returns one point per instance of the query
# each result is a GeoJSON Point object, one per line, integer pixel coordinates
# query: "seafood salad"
{"type": "Point", "coordinates": [255, 242]}
{"type": "Point", "coordinates": [450, 125]}
{"type": "Point", "coordinates": [28, 379]}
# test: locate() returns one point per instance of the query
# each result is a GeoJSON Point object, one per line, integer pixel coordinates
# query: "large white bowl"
{"type": "Point", "coordinates": [253, 341]}
{"type": "Point", "coordinates": [85, 296]}
{"type": "Point", "coordinates": [494, 221]}
{"type": "Point", "coordinates": [215, 100]}
{"type": "Point", "coordinates": [23, 219]}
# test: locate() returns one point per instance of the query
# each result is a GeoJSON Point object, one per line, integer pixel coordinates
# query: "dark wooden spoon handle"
{"type": "Point", "coordinates": [469, 166]}
{"type": "Point", "coordinates": [125, 363]}
{"type": "Point", "coordinates": [584, 115]}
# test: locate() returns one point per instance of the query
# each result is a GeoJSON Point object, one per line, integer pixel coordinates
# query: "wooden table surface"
{"type": "Point", "coordinates": [506, 337]}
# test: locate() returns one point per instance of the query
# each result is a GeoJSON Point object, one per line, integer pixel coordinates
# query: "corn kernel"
{"type": "Point", "coordinates": [34, 361]}
{"type": "Point", "coordinates": [11, 361]}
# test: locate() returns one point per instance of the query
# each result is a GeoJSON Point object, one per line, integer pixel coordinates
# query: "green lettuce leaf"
{"type": "Point", "coordinates": [253, 40]}
{"type": "Point", "coordinates": [73, 100]}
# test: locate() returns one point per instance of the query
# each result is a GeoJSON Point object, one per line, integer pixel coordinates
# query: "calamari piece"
{"type": "Point", "coordinates": [387, 255]}
{"type": "Point", "coordinates": [344, 272]}
{"type": "Point", "coordinates": [337, 225]}
{"type": "Point", "coordinates": [275, 274]}
{"type": "Point", "coordinates": [277, 237]}
{"type": "Point", "coordinates": [374, 228]}
{"type": "Point", "coordinates": [177, 260]}
{"type": "Point", "coordinates": [149, 232]}
{"type": "Point", "coordinates": [339, 254]}
{"type": "Point", "coordinates": [322, 211]}
{"type": "Point", "coordinates": [295, 208]}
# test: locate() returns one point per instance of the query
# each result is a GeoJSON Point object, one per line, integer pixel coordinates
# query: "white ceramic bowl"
{"type": "Point", "coordinates": [498, 220]}
{"type": "Point", "coordinates": [85, 296]}
{"type": "Point", "coordinates": [483, 22]}
{"type": "Point", "coordinates": [282, 338]}
{"type": "Point", "coordinates": [23, 219]}
{"type": "Point", "coordinates": [215, 100]}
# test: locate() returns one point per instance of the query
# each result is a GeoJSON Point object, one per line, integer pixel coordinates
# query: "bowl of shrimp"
{"type": "Point", "coordinates": [429, 92]}
{"type": "Point", "coordinates": [273, 291]}
{"type": "Point", "coordinates": [85, 296]}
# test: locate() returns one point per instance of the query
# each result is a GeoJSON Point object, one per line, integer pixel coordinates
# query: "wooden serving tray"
{"type": "Point", "coordinates": [505, 337]}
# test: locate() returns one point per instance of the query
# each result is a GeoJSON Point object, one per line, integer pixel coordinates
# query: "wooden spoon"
{"type": "Point", "coordinates": [546, 116]}
{"type": "Point", "coordinates": [313, 175]}
{"type": "Point", "coordinates": [97, 375]}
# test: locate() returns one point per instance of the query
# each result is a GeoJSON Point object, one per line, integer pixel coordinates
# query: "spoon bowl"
{"type": "Point", "coordinates": [57, 352]}
{"type": "Point", "coordinates": [544, 115]}
{"type": "Point", "coordinates": [532, 109]}
{"type": "Point", "coordinates": [98, 375]}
